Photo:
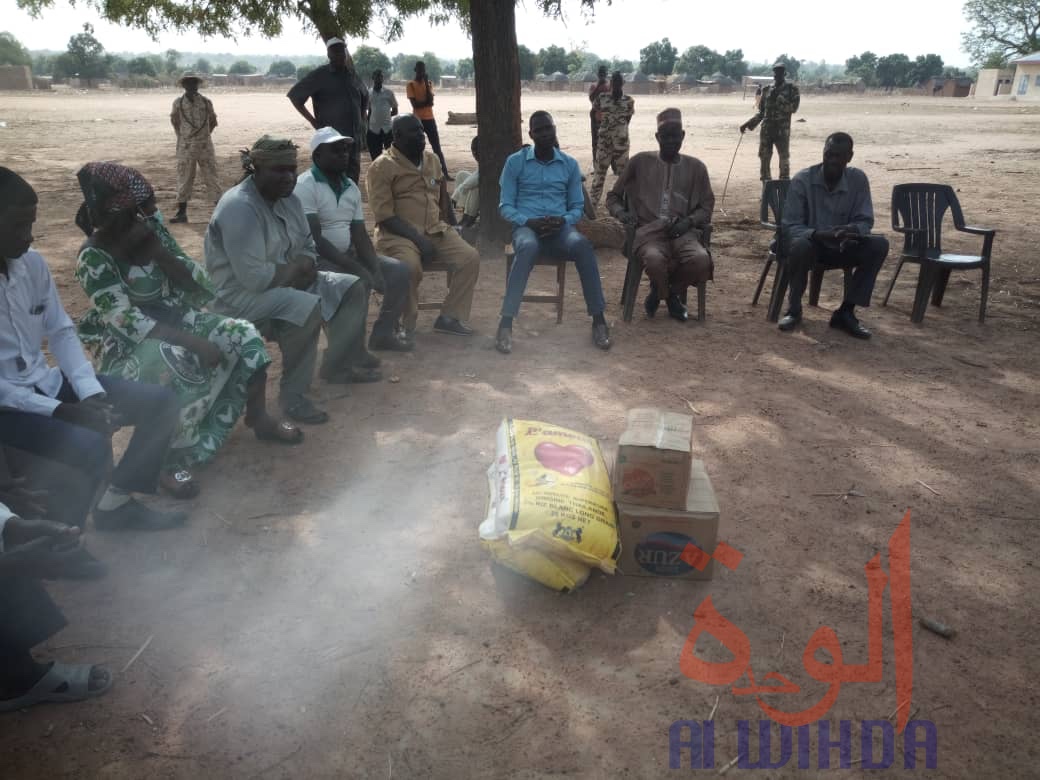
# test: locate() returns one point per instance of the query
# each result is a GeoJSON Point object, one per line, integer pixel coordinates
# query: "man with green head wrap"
{"type": "Point", "coordinates": [263, 262]}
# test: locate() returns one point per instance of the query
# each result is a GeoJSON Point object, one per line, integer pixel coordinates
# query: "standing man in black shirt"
{"type": "Point", "coordinates": [339, 99]}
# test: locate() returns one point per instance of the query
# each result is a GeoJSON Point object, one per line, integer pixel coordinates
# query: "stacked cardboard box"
{"type": "Point", "coordinates": [664, 498]}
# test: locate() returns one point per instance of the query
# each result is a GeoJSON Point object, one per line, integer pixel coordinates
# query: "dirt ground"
{"type": "Point", "coordinates": [329, 612]}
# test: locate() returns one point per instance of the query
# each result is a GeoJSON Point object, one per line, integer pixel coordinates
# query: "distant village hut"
{"type": "Point", "coordinates": [16, 77]}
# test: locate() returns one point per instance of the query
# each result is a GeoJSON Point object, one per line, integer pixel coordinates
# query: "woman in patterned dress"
{"type": "Point", "coordinates": [146, 323]}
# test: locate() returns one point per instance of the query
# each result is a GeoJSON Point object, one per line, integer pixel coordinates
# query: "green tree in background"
{"type": "Point", "coordinates": [464, 68]}
{"type": "Point", "coordinates": [1001, 30]}
{"type": "Point", "coordinates": [893, 70]}
{"type": "Point", "coordinates": [85, 58]}
{"type": "Point", "coordinates": [404, 65]}
{"type": "Point", "coordinates": [368, 59]}
{"type": "Point", "coordinates": [528, 63]}
{"type": "Point", "coordinates": [658, 58]}
{"type": "Point", "coordinates": [303, 70]}
{"type": "Point", "coordinates": [863, 66]}
{"type": "Point", "coordinates": [171, 63]}
{"type": "Point", "coordinates": [552, 59]}
{"type": "Point", "coordinates": [202, 66]}
{"type": "Point", "coordinates": [281, 69]}
{"type": "Point", "coordinates": [241, 68]}
{"type": "Point", "coordinates": [699, 61]}
{"type": "Point", "coordinates": [433, 67]}
{"type": "Point", "coordinates": [625, 66]}
{"type": "Point", "coordinates": [733, 64]}
{"type": "Point", "coordinates": [141, 66]}
{"type": "Point", "coordinates": [792, 64]}
{"type": "Point", "coordinates": [12, 52]}
{"type": "Point", "coordinates": [925, 67]}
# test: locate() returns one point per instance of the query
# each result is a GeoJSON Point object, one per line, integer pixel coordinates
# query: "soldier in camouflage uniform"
{"type": "Point", "coordinates": [779, 100]}
{"type": "Point", "coordinates": [616, 108]}
{"type": "Point", "coordinates": [193, 120]}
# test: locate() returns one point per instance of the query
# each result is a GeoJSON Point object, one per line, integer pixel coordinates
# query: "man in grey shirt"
{"type": "Point", "coordinates": [828, 216]}
{"type": "Point", "coordinates": [262, 260]}
{"type": "Point", "coordinates": [382, 108]}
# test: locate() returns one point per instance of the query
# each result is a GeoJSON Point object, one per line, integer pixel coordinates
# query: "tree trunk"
{"type": "Point", "coordinates": [497, 80]}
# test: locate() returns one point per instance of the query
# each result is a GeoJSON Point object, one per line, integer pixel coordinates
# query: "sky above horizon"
{"type": "Point", "coordinates": [817, 31]}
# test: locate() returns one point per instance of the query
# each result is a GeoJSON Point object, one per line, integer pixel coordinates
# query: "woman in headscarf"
{"type": "Point", "coordinates": [146, 323]}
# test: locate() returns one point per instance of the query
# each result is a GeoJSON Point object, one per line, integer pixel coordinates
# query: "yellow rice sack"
{"type": "Point", "coordinates": [553, 571]}
{"type": "Point", "coordinates": [549, 493]}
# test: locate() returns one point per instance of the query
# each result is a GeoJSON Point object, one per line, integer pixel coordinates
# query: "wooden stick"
{"type": "Point", "coordinates": [216, 715]}
{"type": "Point", "coordinates": [729, 765]}
{"type": "Point", "coordinates": [137, 655]}
{"type": "Point", "coordinates": [783, 636]}
{"type": "Point", "coordinates": [922, 484]}
{"type": "Point", "coordinates": [147, 720]}
{"type": "Point", "coordinates": [897, 709]}
{"type": "Point", "coordinates": [714, 709]}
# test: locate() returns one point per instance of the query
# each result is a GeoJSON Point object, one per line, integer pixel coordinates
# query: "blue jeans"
{"type": "Point", "coordinates": [568, 244]}
{"type": "Point", "coordinates": [152, 410]}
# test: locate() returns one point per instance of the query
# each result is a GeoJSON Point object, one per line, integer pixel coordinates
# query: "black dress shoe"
{"type": "Point", "coordinates": [651, 303]}
{"type": "Point", "coordinates": [452, 326]}
{"type": "Point", "coordinates": [135, 516]}
{"type": "Point", "coordinates": [790, 321]}
{"type": "Point", "coordinates": [601, 335]}
{"type": "Point", "coordinates": [676, 309]}
{"type": "Point", "coordinates": [504, 340]}
{"type": "Point", "coordinates": [846, 321]}
{"type": "Point", "coordinates": [389, 341]}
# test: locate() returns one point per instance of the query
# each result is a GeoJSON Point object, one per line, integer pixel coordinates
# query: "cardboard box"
{"type": "Point", "coordinates": [653, 461]}
{"type": "Point", "coordinates": [653, 540]}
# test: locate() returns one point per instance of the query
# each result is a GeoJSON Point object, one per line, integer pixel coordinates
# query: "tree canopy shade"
{"type": "Point", "coordinates": [368, 59]}
{"type": "Point", "coordinates": [233, 18]}
{"type": "Point", "coordinates": [658, 58]}
{"type": "Point", "coordinates": [12, 52]}
{"type": "Point", "coordinates": [1002, 30]}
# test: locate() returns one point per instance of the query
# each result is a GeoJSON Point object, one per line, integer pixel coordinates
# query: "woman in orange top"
{"type": "Point", "coordinates": [420, 95]}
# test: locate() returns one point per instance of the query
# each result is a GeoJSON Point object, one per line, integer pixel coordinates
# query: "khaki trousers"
{"type": "Point", "coordinates": [463, 263]}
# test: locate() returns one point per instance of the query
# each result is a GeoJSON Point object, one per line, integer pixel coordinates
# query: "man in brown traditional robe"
{"type": "Point", "coordinates": [668, 197]}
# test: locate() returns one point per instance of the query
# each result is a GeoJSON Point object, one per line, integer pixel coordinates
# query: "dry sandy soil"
{"type": "Point", "coordinates": [330, 613]}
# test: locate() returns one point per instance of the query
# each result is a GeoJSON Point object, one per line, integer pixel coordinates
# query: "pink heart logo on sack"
{"type": "Point", "coordinates": [569, 460]}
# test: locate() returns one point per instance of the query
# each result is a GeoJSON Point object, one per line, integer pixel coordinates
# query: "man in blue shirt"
{"type": "Point", "coordinates": [542, 199]}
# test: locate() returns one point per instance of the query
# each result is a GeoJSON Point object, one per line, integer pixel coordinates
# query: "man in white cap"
{"type": "Point", "coordinates": [194, 120]}
{"type": "Point", "coordinates": [338, 98]}
{"type": "Point", "coordinates": [332, 204]}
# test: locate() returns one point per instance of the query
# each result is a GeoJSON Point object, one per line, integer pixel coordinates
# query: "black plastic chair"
{"type": "Point", "coordinates": [771, 215]}
{"type": "Point", "coordinates": [917, 212]}
{"type": "Point", "coordinates": [634, 275]}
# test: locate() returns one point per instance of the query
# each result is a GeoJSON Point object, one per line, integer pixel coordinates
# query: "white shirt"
{"type": "Point", "coordinates": [383, 102]}
{"type": "Point", "coordinates": [31, 311]}
{"type": "Point", "coordinates": [336, 215]}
